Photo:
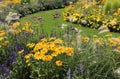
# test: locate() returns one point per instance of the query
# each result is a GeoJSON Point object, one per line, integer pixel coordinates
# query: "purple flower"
{"type": "Point", "coordinates": [76, 70]}
{"type": "Point", "coordinates": [2, 20]}
{"type": "Point", "coordinates": [0, 77]}
{"type": "Point", "coordinates": [12, 59]}
{"type": "Point", "coordinates": [19, 15]}
{"type": "Point", "coordinates": [81, 68]}
{"type": "Point", "coordinates": [26, 52]}
{"type": "Point", "coordinates": [4, 70]}
{"type": "Point", "coordinates": [69, 73]}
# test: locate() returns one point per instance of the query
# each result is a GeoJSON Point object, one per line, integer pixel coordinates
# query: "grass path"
{"type": "Point", "coordinates": [49, 22]}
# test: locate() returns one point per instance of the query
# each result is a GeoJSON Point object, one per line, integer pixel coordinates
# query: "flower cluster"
{"type": "Point", "coordinates": [107, 40]}
{"type": "Point", "coordinates": [16, 28]}
{"type": "Point", "coordinates": [12, 1]}
{"type": "Point", "coordinates": [47, 51]}
{"type": "Point", "coordinates": [3, 40]}
{"type": "Point", "coordinates": [91, 14]}
{"type": "Point", "coordinates": [12, 17]}
{"type": "Point", "coordinates": [117, 13]}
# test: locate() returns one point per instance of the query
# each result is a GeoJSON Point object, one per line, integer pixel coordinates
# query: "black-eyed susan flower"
{"type": "Point", "coordinates": [21, 51]}
{"type": "Point", "coordinates": [59, 63]}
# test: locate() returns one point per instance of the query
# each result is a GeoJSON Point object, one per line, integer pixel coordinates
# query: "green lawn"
{"type": "Point", "coordinates": [49, 22]}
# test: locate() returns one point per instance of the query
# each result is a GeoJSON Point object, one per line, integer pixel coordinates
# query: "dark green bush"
{"type": "Point", "coordinates": [32, 6]}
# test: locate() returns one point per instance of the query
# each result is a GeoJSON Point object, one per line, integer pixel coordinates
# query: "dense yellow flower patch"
{"type": "Point", "coordinates": [90, 14]}
{"type": "Point", "coordinates": [13, 1]}
{"type": "Point", "coordinates": [47, 50]}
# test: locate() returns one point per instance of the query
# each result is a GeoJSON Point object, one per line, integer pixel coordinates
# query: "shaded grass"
{"type": "Point", "coordinates": [49, 22]}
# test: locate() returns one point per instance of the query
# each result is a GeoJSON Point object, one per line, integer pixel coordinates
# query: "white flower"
{"type": "Point", "coordinates": [102, 27]}
{"type": "Point", "coordinates": [70, 19]}
{"type": "Point", "coordinates": [117, 72]}
{"type": "Point", "coordinates": [116, 50]}
{"type": "Point", "coordinates": [10, 30]}
{"type": "Point", "coordinates": [70, 2]}
{"type": "Point", "coordinates": [63, 26]}
{"type": "Point", "coordinates": [84, 21]}
{"type": "Point", "coordinates": [12, 16]}
{"type": "Point", "coordinates": [76, 29]}
{"type": "Point", "coordinates": [104, 31]}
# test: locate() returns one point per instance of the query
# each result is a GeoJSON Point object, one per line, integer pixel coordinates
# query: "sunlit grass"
{"type": "Point", "coordinates": [50, 22]}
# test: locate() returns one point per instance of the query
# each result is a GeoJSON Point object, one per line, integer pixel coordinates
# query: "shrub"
{"type": "Point", "coordinates": [48, 59]}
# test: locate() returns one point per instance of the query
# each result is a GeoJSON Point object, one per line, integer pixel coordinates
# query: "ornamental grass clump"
{"type": "Point", "coordinates": [95, 58]}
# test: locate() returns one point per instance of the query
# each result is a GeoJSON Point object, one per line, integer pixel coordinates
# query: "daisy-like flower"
{"type": "Point", "coordinates": [59, 63]}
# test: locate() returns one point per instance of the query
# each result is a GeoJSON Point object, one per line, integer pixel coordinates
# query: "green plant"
{"type": "Point", "coordinates": [111, 6]}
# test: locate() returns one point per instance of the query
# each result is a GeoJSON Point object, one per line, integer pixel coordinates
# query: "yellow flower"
{"type": "Point", "coordinates": [15, 25]}
{"type": "Point", "coordinates": [16, 31]}
{"type": "Point", "coordinates": [39, 75]}
{"type": "Point", "coordinates": [60, 49]}
{"type": "Point", "coordinates": [95, 37]}
{"type": "Point", "coordinates": [28, 64]}
{"type": "Point", "coordinates": [99, 41]}
{"type": "Point", "coordinates": [30, 45]}
{"type": "Point", "coordinates": [58, 41]}
{"type": "Point", "coordinates": [30, 30]}
{"type": "Point", "coordinates": [118, 47]}
{"type": "Point", "coordinates": [44, 51]}
{"type": "Point", "coordinates": [15, 1]}
{"type": "Point", "coordinates": [12, 1]}
{"type": "Point", "coordinates": [50, 45]}
{"type": "Point", "coordinates": [53, 38]}
{"type": "Point", "coordinates": [47, 58]}
{"type": "Point", "coordinates": [21, 51]}
{"type": "Point", "coordinates": [73, 42]}
{"type": "Point", "coordinates": [84, 39]}
{"type": "Point", "coordinates": [2, 33]}
{"type": "Point", "coordinates": [38, 55]}
{"type": "Point", "coordinates": [108, 35]}
{"type": "Point", "coordinates": [27, 61]}
{"type": "Point", "coordinates": [39, 45]}
{"type": "Point", "coordinates": [59, 63]}
{"type": "Point", "coordinates": [69, 51]}
{"type": "Point", "coordinates": [28, 56]}
{"type": "Point", "coordinates": [1, 38]}
{"type": "Point", "coordinates": [54, 54]}
{"type": "Point", "coordinates": [44, 40]}
{"type": "Point", "coordinates": [5, 43]}
{"type": "Point", "coordinates": [112, 41]}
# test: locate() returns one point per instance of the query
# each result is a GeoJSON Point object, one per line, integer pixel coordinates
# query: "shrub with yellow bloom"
{"type": "Point", "coordinates": [47, 56]}
{"type": "Point", "coordinates": [47, 49]}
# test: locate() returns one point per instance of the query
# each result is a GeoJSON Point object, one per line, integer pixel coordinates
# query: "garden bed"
{"type": "Point", "coordinates": [93, 15]}
{"type": "Point", "coordinates": [44, 46]}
